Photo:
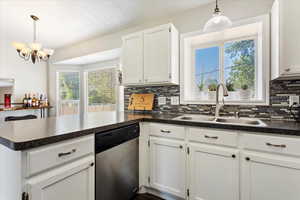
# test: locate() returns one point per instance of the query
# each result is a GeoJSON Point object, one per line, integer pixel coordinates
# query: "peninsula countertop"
{"type": "Point", "coordinates": [27, 134]}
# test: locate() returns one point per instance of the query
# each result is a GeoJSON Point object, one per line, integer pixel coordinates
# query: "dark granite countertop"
{"type": "Point", "coordinates": [23, 135]}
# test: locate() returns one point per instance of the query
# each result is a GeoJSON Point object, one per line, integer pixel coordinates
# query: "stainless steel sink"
{"type": "Point", "coordinates": [200, 118]}
{"type": "Point", "coordinates": [222, 120]}
{"type": "Point", "coordinates": [239, 121]}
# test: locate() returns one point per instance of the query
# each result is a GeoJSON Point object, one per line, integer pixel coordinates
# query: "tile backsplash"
{"type": "Point", "coordinates": [278, 109]}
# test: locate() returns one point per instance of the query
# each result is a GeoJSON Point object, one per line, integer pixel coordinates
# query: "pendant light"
{"type": "Point", "coordinates": [33, 51]}
{"type": "Point", "coordinates": [218, 21]}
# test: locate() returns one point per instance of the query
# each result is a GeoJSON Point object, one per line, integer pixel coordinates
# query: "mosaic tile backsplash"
{"type": "Point", "coordinates": [278, 109]}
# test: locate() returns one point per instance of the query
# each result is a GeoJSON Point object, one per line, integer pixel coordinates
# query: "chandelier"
{"type": "Point", "coordinates": [33, 51]}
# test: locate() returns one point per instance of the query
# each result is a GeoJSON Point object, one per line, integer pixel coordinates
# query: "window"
{"type": "Point", "coordinates": [101, 90]}
{"type": "Point", "coordinates": [237, 57]}
{"type": "Point", "coordinates": [68, 93]}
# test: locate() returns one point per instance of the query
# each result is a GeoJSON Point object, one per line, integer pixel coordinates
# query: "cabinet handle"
{"type": "Point", "coordinates": [287, 70]}
{"type": "Point", "coordinates": [164, 131]}
{"type": "Point", "coordinates": [66, 153]}
{"type": "Point", "coordinates": [92, 164]}
{"type": "Point", "coordinates": [276, 145]}
{"type": "Point", "coordinates": [211, 137]}
{"type": "Point", "coordinates": [247, 159]}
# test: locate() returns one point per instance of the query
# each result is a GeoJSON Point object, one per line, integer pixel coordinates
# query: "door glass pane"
{"type": "Point", "coordinates": [101, 85]}
{"type": "Point", "coordinates": [240, 69]}
{"type": "Point", "coordinates": [207, 72]}
{"type": "Point", "coordinates": [69, 93]}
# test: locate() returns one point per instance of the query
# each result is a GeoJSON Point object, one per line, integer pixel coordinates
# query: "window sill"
{"type": "Point", "coordinates": [233, 103]}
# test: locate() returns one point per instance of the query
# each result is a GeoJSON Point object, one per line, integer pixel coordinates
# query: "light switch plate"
{"type": "Point", "coordinates": [162, 101]}
{"type": "Point", "coordinates": [294, 100]}
{"type": "Point", "coordinates": [175, 100]}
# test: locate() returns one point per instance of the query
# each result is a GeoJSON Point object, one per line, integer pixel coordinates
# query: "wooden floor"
{"type": "Point", "coordinates": [147, 197]}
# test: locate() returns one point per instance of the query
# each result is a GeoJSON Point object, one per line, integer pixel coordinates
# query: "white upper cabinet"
{"type": "Point", "coordinates": [214, 172]}
{"type": "Point", "coordinates": [153, 55]}
{"type": "Point", "coordinates": [132, 59]}
{"type": "Point", "coordinates": [266, 176]}
{"type": "Point", "coordinates": [167, 166]}
{"type": "Point", "coordinates": [285, 39]}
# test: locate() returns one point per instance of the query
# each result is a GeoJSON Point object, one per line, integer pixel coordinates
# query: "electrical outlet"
{"type": "Point", "coordinates": [294, 100]}
{"type": "Point", "coordinates": [162, 101]}
{"type": "Point", "coordinates": [175, 100]}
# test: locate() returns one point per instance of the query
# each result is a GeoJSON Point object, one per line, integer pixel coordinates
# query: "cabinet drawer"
{"type": "Point", "coordinates": [213, 136]}
{"type": "Point", "coordinates": [168, 131]}
{"type": "Point", "coordinates": [273, 144]}
{"type": "Point", "coordinates": [43, 158]}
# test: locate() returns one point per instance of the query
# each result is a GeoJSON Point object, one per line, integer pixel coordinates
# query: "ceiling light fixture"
{"type": "Point", "coordinates": [33, 51]}
{"type": "Point", "coordinates": [218, 21]}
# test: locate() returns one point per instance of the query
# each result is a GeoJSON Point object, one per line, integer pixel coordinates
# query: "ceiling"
{"type": "Point", "coordinates": [64, 22]}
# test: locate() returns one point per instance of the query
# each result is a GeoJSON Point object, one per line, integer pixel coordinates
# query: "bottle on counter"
{"type": "Point", "coordinates": [41, 102]}
{"type": "Point", "coordinates": [33, 101]}
{"type": "Point", "coordinates": [25, 101]}
{"type": "Point", "coordinates": [29, 101]}
{"type": "Point", "coordinates": [37, 102]}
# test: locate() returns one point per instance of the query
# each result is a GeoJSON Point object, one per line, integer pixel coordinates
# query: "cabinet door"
{"type": "Point", "coordinates": [74, 181]}
{"type": "Point", "coordinates": [271, 177]}
{"type": "Point", "coordinates": [157, 55]}
{"type": "Point", "coordinates": [214, 173]}
{"type": "Point", "coordinates": [167, 166]}
{"type": "Point", "coordinates": [132, 59]}
{"type": "Point", "coordinates": [289, 35]}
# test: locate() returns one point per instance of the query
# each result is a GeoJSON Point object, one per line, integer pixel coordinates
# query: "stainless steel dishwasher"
{"type": "Point", "coordinates": [117, 163]}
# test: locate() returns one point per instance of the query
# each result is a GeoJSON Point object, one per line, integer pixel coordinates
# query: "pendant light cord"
{"type": "Point", "coordinates": [34, 31]}
{"type": "Point", "coordinates": [217, 10]}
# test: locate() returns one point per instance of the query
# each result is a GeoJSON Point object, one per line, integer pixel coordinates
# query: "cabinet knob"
{"type": "Point", "coordinates": [92, 164]}
{"type": "Point", "coordinates": [247, 159]}
{"type": "Point", "coordinates": [287, 69]}
{"type": "Point", "coordinates": [233, 156]}
{"type": "Point", "coordinates": [181, 147]}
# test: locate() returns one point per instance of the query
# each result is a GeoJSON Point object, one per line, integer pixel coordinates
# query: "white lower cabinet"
{"type": "Point", "coordinates": [74, 181]}
{"type": "Point", "coordinates": [238, 166]}
{"type": "Point", "coordinates": [270, 177]}
{"type": "Point", "coordinates": [214, 173]}
{"type": "Point", "coordinates": [168, 166]}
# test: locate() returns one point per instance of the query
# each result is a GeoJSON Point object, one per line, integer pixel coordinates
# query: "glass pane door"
{"type": "Point", "coordinates": [68, 93]}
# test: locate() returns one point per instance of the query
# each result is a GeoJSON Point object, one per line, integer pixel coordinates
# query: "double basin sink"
{"type": "Point", "coordinates": [222, 120]}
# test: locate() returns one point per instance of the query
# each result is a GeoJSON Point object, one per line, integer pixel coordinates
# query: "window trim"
{"type": "Point", "coordinates": [265, 62]}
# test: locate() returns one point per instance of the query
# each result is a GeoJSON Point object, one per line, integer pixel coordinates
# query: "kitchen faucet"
{"type": "Point", "coordinates": [219, 105]}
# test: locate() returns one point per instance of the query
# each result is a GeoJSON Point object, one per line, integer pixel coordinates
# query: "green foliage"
{"type": "Point", "coordinates": [101, 87]}
{"type": "Point", "coordinates": [212, 87]}
{"type": "Point", "coordinates": [244, 87]}
{"type": "Point", "coordinates": [243, 69]}
{"type": "Point", "coordinates": [201, 86]}
{"type": "Point", "coordinates": [230, 86]}
{"type": "Point", "coordinates": [69, 85]}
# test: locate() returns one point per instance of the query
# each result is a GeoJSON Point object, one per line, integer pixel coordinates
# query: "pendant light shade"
{"type": "Point", "coordinates": [217, 22]}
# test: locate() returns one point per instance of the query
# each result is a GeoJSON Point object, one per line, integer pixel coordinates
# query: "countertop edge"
{"type": "Point", "coordinates": [26, 145]}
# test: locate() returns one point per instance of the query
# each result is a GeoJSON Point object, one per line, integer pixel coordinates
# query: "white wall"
{"type": "Point", "coordinates": [28, 77]}
{"type": "Point", "coordinates": [188, 21]}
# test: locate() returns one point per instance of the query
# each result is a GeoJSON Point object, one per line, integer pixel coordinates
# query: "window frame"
{"type": "Point", "coordinates": [263, 60]}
